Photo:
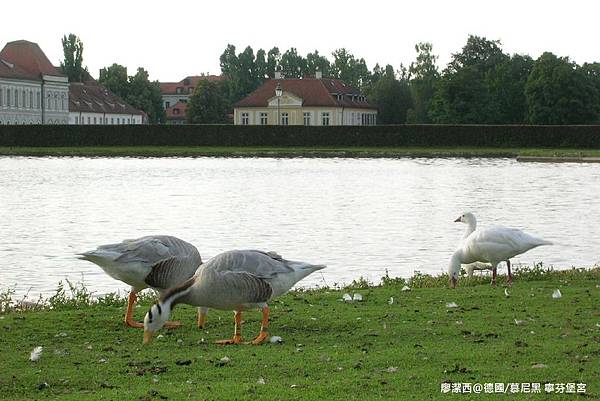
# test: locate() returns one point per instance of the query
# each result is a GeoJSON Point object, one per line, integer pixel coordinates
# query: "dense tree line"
{"type": "Point", "coordinates": [480, 85]}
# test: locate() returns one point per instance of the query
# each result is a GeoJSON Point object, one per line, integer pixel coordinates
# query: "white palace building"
{"type": "Point", "coordinates": [27, 77]}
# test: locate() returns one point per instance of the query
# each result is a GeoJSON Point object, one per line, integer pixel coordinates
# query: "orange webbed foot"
{"type": "Point", "coordinates": [262, 336]}
{"type": "Point", "coordinates": [234, 340]}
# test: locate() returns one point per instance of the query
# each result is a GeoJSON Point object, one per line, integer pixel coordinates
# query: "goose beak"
{"type": "Point", "coordinates": [148, 336]}
{"type": "Point", "coordinates": [457, 220]}
{"type": "Point", "coordinates": [453, 282]}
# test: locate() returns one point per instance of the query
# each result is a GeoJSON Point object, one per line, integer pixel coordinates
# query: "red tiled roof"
{"type": "Point", "coordinates": [314, 93]}
{"type": "Point", "coordinates": [168, 88]}
{"type": "Point", "coordinates": [92, 97]}
{"type": "Point", "coordinates": [29, 57]}
{"type": "Point", "coordinates": [171, 114]}
{"type": "Point", "coordinates": [10, 70]}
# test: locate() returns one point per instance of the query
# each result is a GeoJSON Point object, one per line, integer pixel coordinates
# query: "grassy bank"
{"type": "Point", "coordinates": [357, 152]}
{"type": "Point", "coordinates": [331, 350]}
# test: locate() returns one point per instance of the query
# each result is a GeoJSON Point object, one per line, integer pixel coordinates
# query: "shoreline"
{"type": "Point", "coordinates": [520, 154]}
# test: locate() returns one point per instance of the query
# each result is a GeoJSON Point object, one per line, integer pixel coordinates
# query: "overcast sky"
{"type": "Point", "coordinates": [174, 39]}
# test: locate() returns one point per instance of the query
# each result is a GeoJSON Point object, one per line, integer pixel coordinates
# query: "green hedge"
{"type": "Point", "coordinates": [375, 136]}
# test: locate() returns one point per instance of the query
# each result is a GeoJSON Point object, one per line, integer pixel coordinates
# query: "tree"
{"type": "Point", "coordinates": [463, 94]}
{"type": "Point", "coordinates": [208, 104]}
{"type": "Point", "coordinates": [72, 65]}
{"type": "Point", "coordinates": [558, 91]}
{"type": "Point", "coordinates": [273, 60]}
{"type": "Point", "coordinates": [507, 87]}
{"type": "Point", "coordinates": [115, 79]}
{"type": "Point", "coordinates": [392, 97]}
{"type": "Point", "coordinates": [292, 64]}
{"type": "Point", "coordinates": [349, 69]}
{"type": "Point", "coordinates": [423, 78]}
{"type": "Point", "coordinates": [241, 72]}
{"type": "Point", "coordinates": [137, 90]}
{"type": "Point", "coordinates": [145, 95]}
{"type": "Point", "coordinates": [316, 62]}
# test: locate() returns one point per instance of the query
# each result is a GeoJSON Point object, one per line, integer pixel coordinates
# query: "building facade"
{"type": "Point", "coordinates": [92, 104]}
{"type": "Point", "coordinates": [32, 90]}
{"type": "Point", "coordinates": [175, 96]}
{"type": "Point", "coordinates": [309, 101]}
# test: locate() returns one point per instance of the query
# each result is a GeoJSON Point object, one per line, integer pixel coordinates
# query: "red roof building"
{"type": "Point", "coordinates": [32, 90]}
{"type": "Point", "coordinates": [174, 94]}
{"type": "Point", "coordinates": [306, 101]}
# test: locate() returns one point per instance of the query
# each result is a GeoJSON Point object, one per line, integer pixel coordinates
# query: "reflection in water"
{"type": "Point", "coordinates": [360, 217]}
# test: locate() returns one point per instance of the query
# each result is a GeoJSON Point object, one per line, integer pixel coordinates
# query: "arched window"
{"type": "Point", "coordinates": [8, 97]}
{"type": "Point", "coordinates": [23, 101]}
{"type": "Point", "coordinates": [63, 102]}
{"type": "Point", "coordinates": [31, 100]}
{"type": "Point", "coordinates": [1, 97]}
{"type": "Point", "coordinates": [37, 100]}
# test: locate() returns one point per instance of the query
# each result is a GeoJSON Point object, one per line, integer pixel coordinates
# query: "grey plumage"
{"type": "Point", "coordinates": [241, 279]}
{"type": "Point", "coordinates": [158, 261]}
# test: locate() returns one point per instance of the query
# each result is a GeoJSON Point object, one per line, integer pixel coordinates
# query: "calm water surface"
{"type": "Point", "coordinates": [360, 217]}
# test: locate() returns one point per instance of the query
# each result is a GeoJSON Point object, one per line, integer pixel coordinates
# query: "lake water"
{"type": "Point", "coordinates": [358, 216]}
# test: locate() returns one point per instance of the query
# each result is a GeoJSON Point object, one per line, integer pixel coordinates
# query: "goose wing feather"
{"type": "Point", "coordinates": [499, 243]}
{"type": "Point", "coordinates": [258, 263]}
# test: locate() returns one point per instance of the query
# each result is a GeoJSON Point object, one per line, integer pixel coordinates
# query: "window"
{"type": "Point", "coordinates": [325, 118]}
{"type": "Point", "coordinates": [306, 118]}
{"type": "Point", "coordinates": [38, 101]}
{"type": "Point", "coordinates": [31, 100]}
{"type": "Point", "coordinates": [8, 97]}
{"type": "Point", "coordinates": [175, 111]}
{"type": "Point", "coordinates": [89, 120]}
{"type": "Point", "coordinates": [123, 120]}
{"type": "Point", "coordinates": [264, 119]}
{"type": "Point", "coordinates": [167, 105]}
{"type": "Point", "coordinates": [76, 119]}
{"type": "Point", "coordinates": [245, 119]}
{"type": "Point", "coordinates": [285, 119]}
{"type": "Point", "coordinates": [1, 98]}
{"type": "Point", "coordinates": [112, 120]}
{"type": "Point", "coordinates": [128, 121]}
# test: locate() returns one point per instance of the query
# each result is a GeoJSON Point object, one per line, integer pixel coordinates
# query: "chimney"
{"type": "Point", "coordinates": [278, 73]}
{"type": "Point", "coordinates": [318, 74]}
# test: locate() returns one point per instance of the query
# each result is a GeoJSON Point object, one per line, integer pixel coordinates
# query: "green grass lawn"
{"type": "Point", "coordinates": [159, 151]}
{"type": "Point", "coordinates": [332, 350]}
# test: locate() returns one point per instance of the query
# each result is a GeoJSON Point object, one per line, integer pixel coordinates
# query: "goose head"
{"type": "Point", "coordinates": [154, 320]}
{"type": "Point", "coordinates": [467, 218]}
{"type": "Point", "coordinates": [454, 268]}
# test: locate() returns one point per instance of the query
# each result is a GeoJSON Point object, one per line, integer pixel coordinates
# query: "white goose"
{"type": "Point", "coordinates": [492, 245]}
{"type": "Point", "coordinates": [471, 222]}
{"type": "Point", "coordinates": [158, 261]}
{"type": "Point", "coordinates": [233, 280]}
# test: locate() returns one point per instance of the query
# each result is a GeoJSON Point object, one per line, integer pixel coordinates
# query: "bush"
{"type": "Point", "coordinates": [572, 136]}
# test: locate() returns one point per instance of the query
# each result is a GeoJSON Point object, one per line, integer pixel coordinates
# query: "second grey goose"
{"type": "Point", "coordinates": [233, 280]}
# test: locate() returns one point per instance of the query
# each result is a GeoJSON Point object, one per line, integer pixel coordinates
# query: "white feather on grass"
{"type": "Point", "coordinates": [36, 354]}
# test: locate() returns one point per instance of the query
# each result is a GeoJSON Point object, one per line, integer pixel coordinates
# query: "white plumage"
{"type": "Point", "coordinates": [491, 245]}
